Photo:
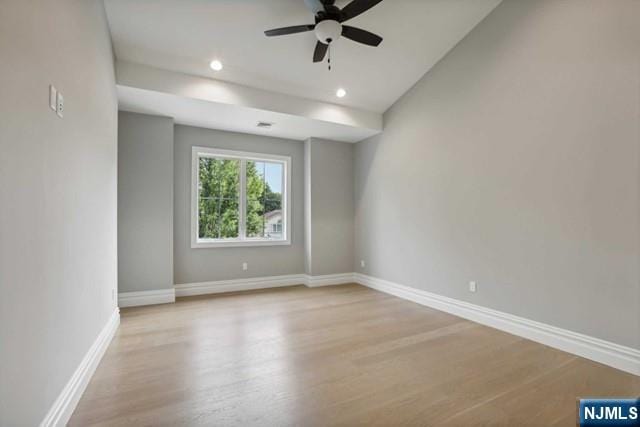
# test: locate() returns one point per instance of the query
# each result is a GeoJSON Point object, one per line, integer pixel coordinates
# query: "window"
{"type": "Point", "coordinates": [239, 199]}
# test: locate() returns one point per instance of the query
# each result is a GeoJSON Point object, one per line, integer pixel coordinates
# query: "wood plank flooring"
{"type": "Point", "coordinates": [334, 356]}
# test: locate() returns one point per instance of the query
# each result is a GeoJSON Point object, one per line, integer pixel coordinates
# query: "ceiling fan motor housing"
{"type": "Point", "coordinates": [328, 31]}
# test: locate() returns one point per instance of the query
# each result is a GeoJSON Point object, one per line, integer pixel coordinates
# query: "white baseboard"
{"type": "Point", "coordinates": [134, 299]}
{"type": "Point", "coordinates": [235, 285]}
{"type": "Point", "coordinates": [605, 352]}
{"type": "Point", "coordinates": [221, 286]}
{"type": "Point", "coordinates": [329, 280]}
{"type": "Point", "coordinates": [66, 403]}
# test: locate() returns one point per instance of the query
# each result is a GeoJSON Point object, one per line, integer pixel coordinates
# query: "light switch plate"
{"type": "Point", "coordinates": [60, 103]}
{"type": "Point", "coordinates": [53, 102]}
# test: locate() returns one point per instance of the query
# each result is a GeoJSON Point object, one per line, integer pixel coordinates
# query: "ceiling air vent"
{"type": "Point", "coordinates": [265, 125]}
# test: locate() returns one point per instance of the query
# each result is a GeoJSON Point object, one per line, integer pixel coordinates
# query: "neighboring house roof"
{"type": "Point", "coordinates": [273, 214]}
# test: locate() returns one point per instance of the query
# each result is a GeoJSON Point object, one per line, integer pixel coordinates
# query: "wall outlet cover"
{"type": "Point", "coordinates": [53, 98]}
{"type": "Point", "coordinates": [60, 104]}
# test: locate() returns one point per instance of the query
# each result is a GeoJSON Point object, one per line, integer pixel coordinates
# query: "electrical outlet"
{"type": "Point", "coordinates": [245, 266]}
{"type": "Point", "coordinates": [362, 263]}
{"type": "Point", "coordinates": [472, 287]}
{"type": "Point", "coordinates": [60, 105]}
{"type": "Point", "coordinates": [53, 95]}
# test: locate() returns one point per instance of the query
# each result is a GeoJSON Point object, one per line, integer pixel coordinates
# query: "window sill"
{"type": "Point", "coordinates": [239, 243]}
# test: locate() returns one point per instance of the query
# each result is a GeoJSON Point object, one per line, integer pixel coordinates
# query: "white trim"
{"type": "Point", "coordinates": [220, 286]}
{"type": "Point", "coordinates": [235, 285]}
{"type": "Point", "coordinates": [329, 280]}
{"type": "Point", "coordinates": [242, 206]}
{"type": "Point", "coordinates": [233, 243]}
{"type": "Point", "coordinates": [216, 153]}
{"type": "Point", "coordinates": [68, 399]}
{"type": "Point", "coordinates": [615, 355]}
{"type": "Point", "coordinates": [242, 240]}
{"type": "Point", "coordinates": [194, 195]}
{"type": "Point", "coordinates": [158, 296]}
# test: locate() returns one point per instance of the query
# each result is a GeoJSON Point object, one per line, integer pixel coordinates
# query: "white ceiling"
{"type": "Point", "coordinates": [184, 35]}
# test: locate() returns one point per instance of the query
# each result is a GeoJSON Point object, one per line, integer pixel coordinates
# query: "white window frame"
{"type": "Point", "coordinates": [243, 157]}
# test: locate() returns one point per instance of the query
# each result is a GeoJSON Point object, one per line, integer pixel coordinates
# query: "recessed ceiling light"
{"type": "Point", "coordinates": [215, 65]}
{"type": "Point", "coordinates": [341, 93]}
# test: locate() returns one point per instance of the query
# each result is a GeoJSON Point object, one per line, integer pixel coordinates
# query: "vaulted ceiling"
{"type": "Point", "coordinates": [185, 35]}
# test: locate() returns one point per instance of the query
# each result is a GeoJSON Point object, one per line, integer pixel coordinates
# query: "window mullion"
{"type": "Point", "coordinates": [243, 200]}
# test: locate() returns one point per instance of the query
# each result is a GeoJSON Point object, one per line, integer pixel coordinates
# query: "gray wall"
{"type": "Point", "coordinates": [515, 163]}
{"type": "Point", "coordinates": [57, 198]}
{"type": "Point", "coordinates": [145, 202]}
{"type": "Point", "coordinates": [329, 207]}
{"type": "Point", "coordinates": [212, 264]}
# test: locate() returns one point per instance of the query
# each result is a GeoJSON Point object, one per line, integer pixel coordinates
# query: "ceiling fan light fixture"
{"type": "Point", "coordinates": [341, 93]}
{"type": "Point", "coordinates": [328, 31]}
{"type": "Point", "coordinates": [328, 26]}
{"type": "Point", "coordinates": [215, 65]}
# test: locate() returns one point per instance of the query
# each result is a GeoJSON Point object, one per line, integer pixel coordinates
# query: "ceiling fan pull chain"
{"type": "Point", "coordinates": [329, 60]}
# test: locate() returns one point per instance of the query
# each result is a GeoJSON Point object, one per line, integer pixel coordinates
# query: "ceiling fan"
{"type": "Point", "coordinates": [329, 25]}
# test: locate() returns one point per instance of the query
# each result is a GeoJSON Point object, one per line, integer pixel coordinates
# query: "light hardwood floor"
{"type": "Point", "coordinates": [343, 355]}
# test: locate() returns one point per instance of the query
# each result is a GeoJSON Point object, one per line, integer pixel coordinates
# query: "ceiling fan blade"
{"type": "Point", "coordinates": [315, 6]}
{"type": "Point", "coordinates": [289, 30]}
{"type": "Point", "coordinates": [361, 36]}
{"type": "Point", "coordinates": [356, 7]}
{"type": "Point", "coordinates": [320, 52]}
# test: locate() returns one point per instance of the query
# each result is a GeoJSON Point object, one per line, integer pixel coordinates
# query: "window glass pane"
{"type": "Point", "coordinates": [264, 200]}
{"type": "Point", "coordinates": [255, 180]}
{"type": "Point", "coordinates": [273, 179]}
{"type": "Point", "coordinates": [218, 198]}
{"type": "Point", "coordinates": [255, 199]}
{"type": "Point", "coordinates": [255, 219]}
{"type": "Point", "coordinates": [273, 200]}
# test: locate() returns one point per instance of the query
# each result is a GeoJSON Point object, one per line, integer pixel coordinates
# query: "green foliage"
{"type": "Point", "coordinates": [219, 195]}
{"type": "Point", "coordinates": [255, 194]}
{"type": "Point", "coordinates": [260, 200]}
{"type": "Point", "coordinates": [218, 203]}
